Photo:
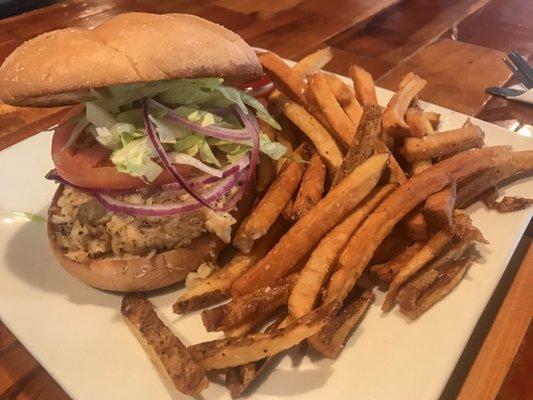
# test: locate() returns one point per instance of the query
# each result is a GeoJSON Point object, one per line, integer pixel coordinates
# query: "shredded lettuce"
{"type": "Point", "coordinates": [116, 121]}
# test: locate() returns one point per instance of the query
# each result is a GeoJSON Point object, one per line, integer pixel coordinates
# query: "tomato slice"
{"type": "Point", "coordinates": [255, 86]}
{"type": "Point", "coordinates": [84, 167]}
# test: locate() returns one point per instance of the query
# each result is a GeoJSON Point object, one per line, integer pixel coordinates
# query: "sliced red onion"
{"type": "Point", "coordinates": [218, 132]}
{"type": "Point", "coordinates": [263, 91]}
{"type": "Point", "coordinates": [185, 159]}
{"type": "Point", "coordinates": [217, 191]}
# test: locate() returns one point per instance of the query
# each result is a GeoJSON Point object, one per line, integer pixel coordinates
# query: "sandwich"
{"type": "Point", "coordinates": [156, 158]}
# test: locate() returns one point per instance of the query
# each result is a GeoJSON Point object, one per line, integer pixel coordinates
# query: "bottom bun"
{"type": "Point", "coordinates": [139, 274]}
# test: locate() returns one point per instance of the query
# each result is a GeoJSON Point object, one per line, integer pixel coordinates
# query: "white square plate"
{"type": "Point", "coordinates": [77, 334]}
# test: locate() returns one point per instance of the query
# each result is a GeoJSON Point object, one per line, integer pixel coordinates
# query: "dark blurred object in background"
{"type": "Point", "coordinates": [9, 8]}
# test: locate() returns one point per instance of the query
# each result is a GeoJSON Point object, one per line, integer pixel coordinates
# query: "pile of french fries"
{"type": "Point", "coordinates": [368, 191]}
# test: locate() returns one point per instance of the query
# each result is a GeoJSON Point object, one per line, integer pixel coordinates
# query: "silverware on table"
{"type": "Point", "coordinates": [520, 68]}
{"type": "Point", "coordinates": [504, 92]}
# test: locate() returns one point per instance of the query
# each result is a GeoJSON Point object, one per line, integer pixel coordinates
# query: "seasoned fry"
{"type": "Point", "coordinates": [443, 144]}
{"type": "Point", "coordinates": [397, 174]}
{"type": "Point", "coordinates": [521, 161]}
{"type": "Point", "coordinates": [433, 118]}
{"type": "Point", "coordinates": [464, 228]}
{"type": "Point", "coordinates": [247, 326]}
{"type": "Point", "coordinates": [431, 249]}
{"type": "Point", "coordinates": [305, 233]}
{"type": "Point", "coordinates": [313, 62]}
{"type": "Point", "coordinates": [346, 98]}
{"type": "Point", "coordinates": [416, 226]}
{"type": "Point", "coordinates": [362, 146]}
{"type": "Point", "coordinates": [441, 283]}
{"type": "Point", "coordinates": [363, 84]}
{"type": "Point", "coordinates": [230, 352]}
{"type": "Point", "coordinates": [283, 76]}
{"type": "Point", "coordinates": [259, 221]}
{"type": "Point", "coordinates": [385, 272]}
{"type": "Point", "coordinates": [419, 125]}
{"type": "Point", "coordinates": [394, 114]}
{"type": "Point", "coordinates": [311, 188]}
{"type": "Point", "coordinates": [239, 378]}
{"type": "Point", "coordinates": [510, 204]}
{"type": "Point", "coordinates": [359, 250]}
{"type": "Point", "coordinates": [343, 127]}
{"type": "Point", "coordinates": [216, 287]}
{"type": "Point", "coordinates": [330, 340]}
{"type": "Point", "coordinates": [165, 349]}
{"type": "Point", "coordinates": [438, 209]}
{"type": "Point", "coordinates": [320, 137]}
{"type": "Point", "coordinates": [315, 272]}
{"type": "Point", "coordinates": [241, 309]}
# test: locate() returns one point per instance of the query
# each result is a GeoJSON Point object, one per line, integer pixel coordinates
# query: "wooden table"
{"type": "Point", "coordinates": [455, 44]}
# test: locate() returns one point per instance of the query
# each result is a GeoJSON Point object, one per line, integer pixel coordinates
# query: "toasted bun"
{"type": "Point", "coordinates": [58, 67]}
{"type": "Point", "coordinates": [140, 274]}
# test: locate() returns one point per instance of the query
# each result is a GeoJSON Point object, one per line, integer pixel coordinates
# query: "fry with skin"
{"type": "Point", "coordinates": [247, 326]}
{"type": "Point", "coordinates": [433, 118]}
{"type": "Point", "coordinates": [419, 126]}
{"type": "Point", "coordinates": [240, 309]}
{"type": "Point", "coordinates": [385, 272]}
{"type": "Point", "coordinates": [444, 144]}
{"type": "Point", "coordinates": [346, 98]}
{"type": "Point", "coordinates": [394, 124]}
{"type": "Point", "coordinates": [343, 127]}
{"type": "Point", "coordinates": [416, 227]}
{"type": "Point", "coordinates": [438, 208]}
{"type": "Point", "coordinates": [168, 353]}
{"type": "Point", "coordinates": [393, 244]}
{"type": "Point", "coordinates": [306, 290]}
{"type": "Point", "coordinates": [362, 146]}
{"type": "Point", "coordinates": [447, 278]}
{"type": "Point", "coordinates": [216, 287]}
{"type": "Point", "coordinates": [283, 76]}
{"type": "Point", "coordinates": [313, 62]}
{"type": "Point", "coordinates": [230, 352]}
{"type": "Point", "coordinates": [363, 83]}
{"type": "Point", "coordinates": [428, 252]}
{"type": "Point", "coordinates": [521, 161]}
{"type": "Point", "coordinates": [359, 250]}
{"type": "Point", "coordinates": [307, 231]}
{"type": "Point", "coordinates": [320, 137]}
{"type": "Point", "coordinates": [397, 174]}
{"type": "Point", "coordinates": [330, 340]}
{"type": "Point", "coordinates": [311, 187]}
{"type": "Point", "coordinates": [259, 221]}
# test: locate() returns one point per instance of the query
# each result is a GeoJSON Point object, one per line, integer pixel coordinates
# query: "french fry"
{"type": "Point", "coordinates": [362, 146]}
{"type": "Point", "coordinates": [239, 378]}
{"type": "Point", "coordinates": [428, 252]}
{"type": "Point", "coordinates": [230, 352]}
{"type": "Point", "coordinates": [393, 244]}
{"type": "Point", "coordinates": [346, 98]}
{"type": "Point", "coordinates": [330, 340]}
{"type": "Point", "coordinates": [305, 293]}
{"type": "Point", "coordinates": [443, 144]}
{"type": "Point", "coordinates": [320, 137]}
{"type": "Point", "coordinates": [510, 204]}
{"type": "Point", "coordinates": [464, 228]}
{"type": "Point", "coordinates": [284, 77]}
{"type": "Point", "coordinates": [365, 91]}
{"type": "Point", "coordinates": [444, 282]}
{"type": "Point", "coordinates": [307, 231]}
{"type": "Point", "coordinates": [313, 62]}
{"type": "Point", "coordinates": [247, 326]}
{"type": "Point", "coordinates": [438, 208]}
{"type": "Point", "coordinates": [261, 218]}
{"type": "Point", "coordinates": [417, 122]}
{"type": "Point", "coordinates": [342, 125]}
{"type": "Point", "coordinates": [167, 352]}
{"type": "Point", "coordinates": [521, 161]}
{"type": "Point", "coordinates": [359, 250]}
{"type": "Point", "coordinates": [394, 124]}
{"type": "Point", "coordinates": [433, 118]}
{"type": "Point", "coordinates": [311, 187]}
{"type": "Point", "coordinates": [216, 287]}
{"type": "Point", "coordinates": [397, 174]}
{"type": "Point", "coordinates": [416, 226]}
{"type": "Point", "coordinates": [241, 309]}
{"type": "Point", "coordinates": [385, 272]}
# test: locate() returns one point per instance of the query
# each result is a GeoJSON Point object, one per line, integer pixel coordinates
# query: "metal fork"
{"type": "Point", "coordinates": [520, 68]}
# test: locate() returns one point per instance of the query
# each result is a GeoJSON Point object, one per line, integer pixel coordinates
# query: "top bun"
{"type": "Point", "coordinates": [58, 67]}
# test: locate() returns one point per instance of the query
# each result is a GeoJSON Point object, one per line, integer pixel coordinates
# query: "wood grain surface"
{"type": "Point", "coordinates": [455, 44]}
